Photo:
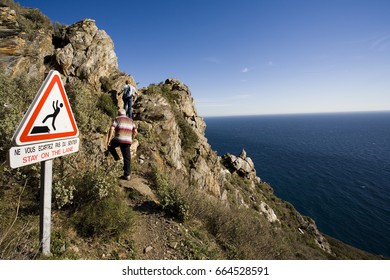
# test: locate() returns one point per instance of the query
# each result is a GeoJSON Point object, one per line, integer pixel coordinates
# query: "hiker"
{"type": "Point", "coordinates": [128, 92]}
{"type": "Point", "coordinates": [122, 130]}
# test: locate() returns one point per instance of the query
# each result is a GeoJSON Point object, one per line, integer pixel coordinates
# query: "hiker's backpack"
{"type": "Point", "coordinates": [126, 95]}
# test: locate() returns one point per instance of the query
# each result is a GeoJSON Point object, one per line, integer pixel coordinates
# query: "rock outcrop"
{"type": "Point", "coordinates": [22, 52]}
{"type": "Point", "coordinates": [85, 52]}
{"type": "Point", "coordinates": [241, 165]}
{"type": "Point", "coordinates": [174, 122]}
{"type": "Point", "coordinates": [80, 51]}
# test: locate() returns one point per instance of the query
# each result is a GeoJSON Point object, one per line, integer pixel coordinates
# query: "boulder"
{"type": "Point", "coordinates": [89, 52]}
{"type": "Point", "coordinates": [242, 165]}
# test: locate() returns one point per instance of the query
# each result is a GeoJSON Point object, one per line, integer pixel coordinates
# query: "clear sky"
{"type": "Point", "coordinates": [247, 57]}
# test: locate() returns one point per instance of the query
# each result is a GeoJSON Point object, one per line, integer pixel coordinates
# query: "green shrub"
{"type": "Point", "coordinates": [18, 222]}
{"type": "Point", "coordinates": [16, 95]}
{"type": "Point", "coordinates": [107, 217]}
{"type": "Point", "coordinates": [85, 105]}
{"type": "Point", "coordinates": [37, 19]}
{"type": "Point", "coordinates": [188, 137]}
{"type": "Point", "coordinates": [153, 89]}
{"type": "Point", "coordinates": [240, 232]}
{"type": "Point", "coordinates": [63, 193]}
{"type": "Point", "coordinates": [93, 185]}
{"type": "Point", "coordinates": [100, 206]}
{"type": "Point", "coordinates": [107, 105]}
{"type": "Point", "coordinates": [172, 200]}
{"type": "Point", "coordinates": [106, 83]}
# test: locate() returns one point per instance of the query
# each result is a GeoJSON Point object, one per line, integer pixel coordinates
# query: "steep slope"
{"type": "Point", "coordinates": [183, 201]}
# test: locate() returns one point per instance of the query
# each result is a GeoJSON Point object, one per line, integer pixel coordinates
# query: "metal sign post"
{"type": "Point", "coordinates": [45, 206]}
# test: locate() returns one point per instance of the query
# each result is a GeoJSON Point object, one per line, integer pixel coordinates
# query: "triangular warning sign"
{"type": "Point", "coordinates": [49, 116]}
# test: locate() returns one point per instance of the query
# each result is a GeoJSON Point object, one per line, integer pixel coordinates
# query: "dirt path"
{"type": "Point", "coordinates": [156, 236]}
{"type": "Point", "coordinates": [141, 185]}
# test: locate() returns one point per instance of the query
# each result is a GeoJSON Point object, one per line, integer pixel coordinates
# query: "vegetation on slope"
{"type": "Point", "coordinates": [87, 202]}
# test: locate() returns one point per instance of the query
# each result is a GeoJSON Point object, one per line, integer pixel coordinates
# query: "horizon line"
{"type": "Point", "coordinates": [299, 113]}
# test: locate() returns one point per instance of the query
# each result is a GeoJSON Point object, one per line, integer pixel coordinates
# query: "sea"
{"type": "Point", "coordinates": [333, 167]}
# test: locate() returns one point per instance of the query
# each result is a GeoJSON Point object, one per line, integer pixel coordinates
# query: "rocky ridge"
{"type": "Point", "coordinates": [172, 134]}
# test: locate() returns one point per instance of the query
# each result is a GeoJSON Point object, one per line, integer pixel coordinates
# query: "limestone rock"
{"type": "Point", "coordinates": [11, 45]}
{"type": "Point", "coordinates": [205, 174]}
{"type": "Point", "coordinates": [89, 53]}
{"type": "Point", "coordinates": [21, 53]}
{"type": "Point", "coordinates": [242, 165]}
{"type": "Point", "coordinates": [307, 224]}
{"type": "Point", "coordinates": [64, 58]}
{"type": "Point", "coordinates": [269, 212]}
{"type": "Point", "coordinates": [153, 109]}
{"type": "Point", "coordinates": [148, 249]}
{"type": "Point", "coordinates": [133, 148]}
{"type": "Point", "coordinates": [186, 105]}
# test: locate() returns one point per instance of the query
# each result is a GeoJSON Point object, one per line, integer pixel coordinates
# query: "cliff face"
{"type": "Point", "coordinates": [171, 134]}
{"type": "Point", "coordinates": [20, 52]}
{"type": "Point", "coordinates": [173, 120]}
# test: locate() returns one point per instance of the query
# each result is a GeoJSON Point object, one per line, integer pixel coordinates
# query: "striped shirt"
{"type": "Point", "coordinates": [124, 127]}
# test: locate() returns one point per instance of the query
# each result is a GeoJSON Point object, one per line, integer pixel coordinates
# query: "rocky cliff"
{"type": "Point", "coordinates": [245, 214]}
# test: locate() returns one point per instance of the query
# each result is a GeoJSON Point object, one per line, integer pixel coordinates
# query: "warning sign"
{"type": "Point", "coordinates": [30, 154]}
{"type": "Point", "coordinates": [49, 117]}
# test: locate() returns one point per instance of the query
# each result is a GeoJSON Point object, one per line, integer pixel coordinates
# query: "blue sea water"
{"type": "Point", "coordinates": [334, 168]}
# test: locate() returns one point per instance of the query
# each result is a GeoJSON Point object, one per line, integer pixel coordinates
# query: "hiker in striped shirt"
{"type": "Point", "coordinates": [122, 130]}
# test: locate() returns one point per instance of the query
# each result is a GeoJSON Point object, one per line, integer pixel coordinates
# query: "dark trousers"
{"type": "Point", "coordinates": [125, 149]}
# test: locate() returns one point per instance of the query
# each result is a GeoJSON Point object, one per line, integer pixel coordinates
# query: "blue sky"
{"type": "Point", "coordinates": [248, 57]}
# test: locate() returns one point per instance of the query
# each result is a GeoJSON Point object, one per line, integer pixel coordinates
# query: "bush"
{"type": "Point", "coordinates": [18, 230]}
{"type": "Point", "coordinates": [100, 206]}
{"type": "Point", "coordinates": [188, 137]}
{"type": "Point", "coordinates": [107, 105]}
{"type": "Point", "coordinates": [92, 186]}
{"type": "Point", "coordinates": [240, 232]}
{"type": "Point", "coordinates": [63, 192]}
{"type": "Point", "coordinates": [172, 200]}
{"type": "Point", "coordinates": [16, 95]}
{"type": "Point", "coordinates": [107, 217]}
{"type": "Point", "coordinates": [85, 106]}
{"type": "Point", "coordinates": [37, 20]}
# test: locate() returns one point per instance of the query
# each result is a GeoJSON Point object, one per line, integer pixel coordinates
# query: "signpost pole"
{"type": "Point", "coordinates": [45, 206]}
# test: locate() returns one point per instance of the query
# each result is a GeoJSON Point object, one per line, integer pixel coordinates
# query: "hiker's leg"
{"type": "Point", "coordinates": [112, 149]}
{"type": "Point", "coordinates": [131, 107]}
{"type": "Point", "coordinates": [125, 149]}
{"type": "Point", "coordinates": [125, 104]}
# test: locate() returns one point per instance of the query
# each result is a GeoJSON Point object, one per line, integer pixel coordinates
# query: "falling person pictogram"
{"type": "Point", "coordinates": [57, 110]}
{"type": "Point", "coordinates": [46, 129]}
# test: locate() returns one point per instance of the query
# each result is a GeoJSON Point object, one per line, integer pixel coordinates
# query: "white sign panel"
{"type": "Point", "coordinates": [30, 154]}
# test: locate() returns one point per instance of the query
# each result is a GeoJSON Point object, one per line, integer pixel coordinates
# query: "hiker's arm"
{"type": "Point", "coordinates": [110, 134]}
{"type": "Point", "coordinates": [135, 132]}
